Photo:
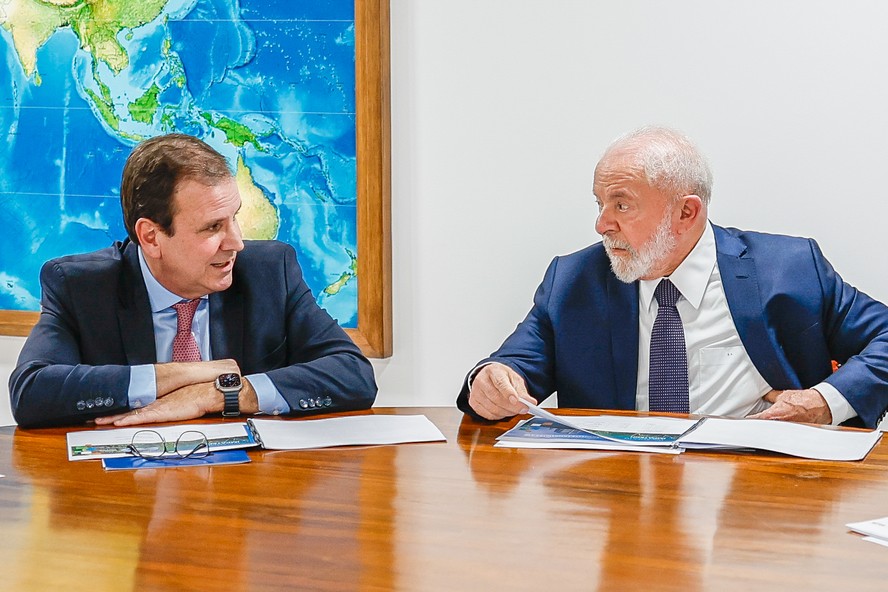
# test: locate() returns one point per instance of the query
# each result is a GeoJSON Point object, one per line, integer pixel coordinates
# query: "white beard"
{"type": "Point", "coordinates": [641, 263]}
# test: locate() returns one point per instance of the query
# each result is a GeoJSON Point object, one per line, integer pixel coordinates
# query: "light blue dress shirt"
{"type": "Point", "coordinates": [143, 381]}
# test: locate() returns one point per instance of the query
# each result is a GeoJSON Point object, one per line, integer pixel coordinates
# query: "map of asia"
{"type": "Point", "coordinates": [268, 83]}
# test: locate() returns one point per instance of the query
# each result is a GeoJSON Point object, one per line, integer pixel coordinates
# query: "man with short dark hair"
{"type": "Point", "coordinates": [672, 313]}
{"type": "Point", "coordinates": [184, 318]}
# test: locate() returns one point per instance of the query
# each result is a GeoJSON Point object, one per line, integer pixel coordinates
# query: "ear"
{"type": "Point", "coordinates": [148, 233]}
{"type": "Point", "coordinates": [691, 212]}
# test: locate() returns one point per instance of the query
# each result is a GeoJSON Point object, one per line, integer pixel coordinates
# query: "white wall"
{"type": "Point", "coordinates": [500, 109]}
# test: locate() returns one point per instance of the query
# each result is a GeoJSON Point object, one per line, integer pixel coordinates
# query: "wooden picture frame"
{"type": "Point", "coordinates": [372, 88]}
{"type": "Point", "coordinates": [373, 145]}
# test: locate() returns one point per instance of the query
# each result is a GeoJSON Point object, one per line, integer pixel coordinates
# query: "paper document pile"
{"type": "Point", "coordinates": [116, 443]}
{"type": "Point", "coordinates": [875, 531]}
{"type": "Point", "coordinates": [672, 436]}
{"type": "Point", "coordinates": [223, 440]}
{"type": "Point", "coordinates": [640, 434]}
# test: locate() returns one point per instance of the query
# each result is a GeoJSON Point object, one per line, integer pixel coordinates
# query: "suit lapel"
{"type": "Point", "coordinates": [134, 311]}
{"type": "Point", "coordinates": [227, 323]}
{"type": "Point", "coordinates": [623, 307]}
{"type": "Point", "coordinates": [740, 280]}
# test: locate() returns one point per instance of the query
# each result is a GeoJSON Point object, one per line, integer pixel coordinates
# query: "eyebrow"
{"type": "Point", "coordinates": [621, 194]}
{"type": "Point", "coordinates": [211, 223]}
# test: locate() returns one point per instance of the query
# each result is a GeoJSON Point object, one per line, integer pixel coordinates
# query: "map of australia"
{"type": "Point", "coordinates": [268, 83]}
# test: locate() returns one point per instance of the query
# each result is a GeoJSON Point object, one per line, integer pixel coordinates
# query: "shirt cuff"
{"type": "Point", "coordinates": [474, 373]}
{"type": "Point", "coordinates": [271, 402]}
{"type": "Point", "coordinates": [838, 405]}
{"type": "Point", "coordinates": [142, 386]}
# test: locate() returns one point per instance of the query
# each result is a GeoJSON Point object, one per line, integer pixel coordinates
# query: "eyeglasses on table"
{"type": "Point", "coordinates": [150, 444]}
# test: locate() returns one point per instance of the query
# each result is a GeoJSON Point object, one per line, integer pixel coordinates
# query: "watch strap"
{"type": "Point", "coordinates": [232, 403]}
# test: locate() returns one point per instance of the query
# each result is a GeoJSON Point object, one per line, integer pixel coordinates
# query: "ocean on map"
{"type": "Point", "coordinates": [270, 84]}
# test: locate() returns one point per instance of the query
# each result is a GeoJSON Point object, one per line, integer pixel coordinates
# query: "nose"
{"type": "Point", "coordinates": [234, 240]}
{"type": "Point", "coordinates": [605, 222]}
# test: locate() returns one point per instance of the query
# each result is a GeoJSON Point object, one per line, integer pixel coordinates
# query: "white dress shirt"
{"type": "Point", "coordinates": [722, 378]}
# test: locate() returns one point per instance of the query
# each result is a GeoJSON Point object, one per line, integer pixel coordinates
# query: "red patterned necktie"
{"type": "Point", "coordinates": [184, 345]}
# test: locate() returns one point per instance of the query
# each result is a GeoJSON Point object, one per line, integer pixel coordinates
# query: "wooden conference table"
{"type": "Point", "coordinates": [460, 515]}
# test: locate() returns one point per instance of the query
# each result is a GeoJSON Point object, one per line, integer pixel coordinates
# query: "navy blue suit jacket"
{"type": "Point", "coordinates": [96, 322]}
{"type": "Point", "coordinates": [793, 312]}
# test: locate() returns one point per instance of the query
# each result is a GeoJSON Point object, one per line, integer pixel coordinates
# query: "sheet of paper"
{"type": "Point", "coordinates": [781, 436]}
{"type": "Point", "coordinates": [540, 412]}
{"type": "Point", "coordinates": [91, 444]}
{"type": "Point", "coordinates": [626, 429]}
{"type": "Point", "coordinates": [875, 528]}
{"type": "Point", "coordinates": [637, 425]}
{"type": "Point", "coordinates": [345, 431]}
{"type": "Point", "coordinates": [617, 423]}
{"type": "Point", "coordinates": [580, 445]}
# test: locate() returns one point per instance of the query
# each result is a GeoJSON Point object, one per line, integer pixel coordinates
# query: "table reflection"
{"type": "Point", "coordinates": [318, 528]}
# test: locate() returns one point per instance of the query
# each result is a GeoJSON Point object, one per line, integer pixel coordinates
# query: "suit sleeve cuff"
{"type": "Point", "coordinates": [838, 405]}
{"type": "Point", "coordinates": [142, 386]}
{"type": "Point", "coordinates": [271, 402]}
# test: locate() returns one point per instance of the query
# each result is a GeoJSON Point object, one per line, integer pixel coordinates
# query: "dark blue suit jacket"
{"type": "Point", "coordinates": [96, 322]}
{"type": "Point", "coordinates": [793, 312]}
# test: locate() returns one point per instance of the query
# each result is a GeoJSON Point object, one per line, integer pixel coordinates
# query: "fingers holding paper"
{"type": "Point", "coordinates": [498, 392]}
{"type": "Point", "coordinates": [805, 406]}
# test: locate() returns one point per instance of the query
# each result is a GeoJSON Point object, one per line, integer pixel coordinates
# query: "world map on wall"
{"type": "Point", "coordinates": [268, 83]}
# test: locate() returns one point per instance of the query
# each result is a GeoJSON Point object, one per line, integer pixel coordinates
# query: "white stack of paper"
{"type": "Point", "coordinates": [672, 435]}
{"type": "Point", "coordinates": [876, 531]}
{"type": "Point", "coordinates": [806, 441]}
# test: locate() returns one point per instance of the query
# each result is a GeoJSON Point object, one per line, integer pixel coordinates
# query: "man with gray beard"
{"type": "Point", "coordinates": [756, 325]}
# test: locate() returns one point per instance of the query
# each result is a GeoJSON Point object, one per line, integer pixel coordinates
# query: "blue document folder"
{"type": "Point", "coordinates": [222, 457]}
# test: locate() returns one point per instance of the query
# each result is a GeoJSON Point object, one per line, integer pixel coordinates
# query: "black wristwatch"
{"type": "Point", "coordinates": [230, 386]}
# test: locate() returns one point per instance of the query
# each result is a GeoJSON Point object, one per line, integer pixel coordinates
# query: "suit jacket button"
{"type": "Point", "coordinates": [303, 403]}
{"type": "Point", "coordinates": [81, 405]}
{"type": "Point", "coordinates": [109, 401]}
{"type": "Point", "coordinates": [328, 401]}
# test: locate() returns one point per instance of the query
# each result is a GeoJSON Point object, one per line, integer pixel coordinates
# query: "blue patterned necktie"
{"type": "Point", "coordinates": [668, 378]}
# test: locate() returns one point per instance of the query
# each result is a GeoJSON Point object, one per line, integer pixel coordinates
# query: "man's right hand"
{"type": "Point", "coordinates": [497, 392]}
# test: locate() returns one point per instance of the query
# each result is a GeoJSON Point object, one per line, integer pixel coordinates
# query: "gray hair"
{"type": "Point", "coordinates": [668, 160]}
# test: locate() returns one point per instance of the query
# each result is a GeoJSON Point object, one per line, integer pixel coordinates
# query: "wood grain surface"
{"type": "Point", "coordinates": [460, 515]}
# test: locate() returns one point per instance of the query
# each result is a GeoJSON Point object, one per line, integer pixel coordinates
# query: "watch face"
{"type": "Point", "coordinates": [229, 380]}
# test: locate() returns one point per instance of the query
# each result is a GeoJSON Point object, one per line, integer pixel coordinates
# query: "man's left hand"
{"type": "Point", "coordinates": [807, 406]}
{"type": "Point", "coordinates": [188, 402]}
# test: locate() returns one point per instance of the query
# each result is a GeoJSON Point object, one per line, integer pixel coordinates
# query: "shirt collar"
{"type": "Point", "coordinates": [159, 297]}
{"type": "Point", "coordinates": [691, 276]}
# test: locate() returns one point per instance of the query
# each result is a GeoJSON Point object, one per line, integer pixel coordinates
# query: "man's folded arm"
{"type": "Point", "coordinates": [337, 381]}
{"type": "Point", "coordinates": [857, 331]}
{"type": "Point", "coordinates": [48, 394]}
{"type": "Point", "coordinates": [324, 370]}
